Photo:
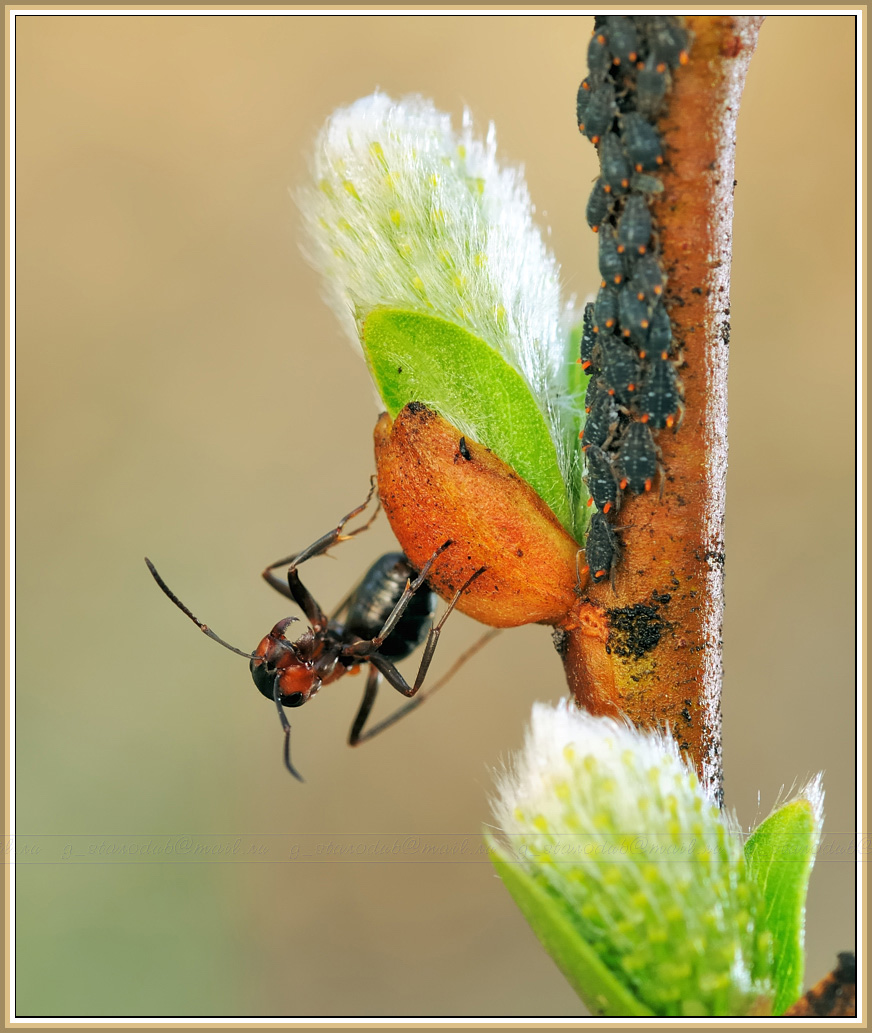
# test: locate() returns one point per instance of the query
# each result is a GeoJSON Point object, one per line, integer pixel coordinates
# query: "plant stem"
{"type": "Point", "coordinates": [650, 647]}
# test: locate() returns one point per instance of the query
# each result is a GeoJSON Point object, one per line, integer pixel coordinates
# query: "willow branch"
{"type": "Point", "coordinates": [650, 646]}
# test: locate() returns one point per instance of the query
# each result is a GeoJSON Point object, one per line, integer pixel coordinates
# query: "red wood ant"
{"type": "Point", "coordinates": [385, 620]}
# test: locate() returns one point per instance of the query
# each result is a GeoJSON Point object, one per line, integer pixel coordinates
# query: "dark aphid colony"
{"type": "Point", "coordinates": [627, 346]}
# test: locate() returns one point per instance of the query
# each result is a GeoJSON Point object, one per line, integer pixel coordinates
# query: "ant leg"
{"type": "Point", "coordinates": [357, 736]}
{"type": "Point", "coordinates": [365, 707]}
{"type": "Point", "coordinates": [292, 587]}
{"type": "Point", "coordinates": [369, 646]}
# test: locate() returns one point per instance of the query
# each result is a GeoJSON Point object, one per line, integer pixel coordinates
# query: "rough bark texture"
{"type": "Point", "coordinates": [650, 647]}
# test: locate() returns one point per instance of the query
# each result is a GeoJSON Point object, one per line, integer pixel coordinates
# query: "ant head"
{"type": "Point", "coordinates": [283, 671]}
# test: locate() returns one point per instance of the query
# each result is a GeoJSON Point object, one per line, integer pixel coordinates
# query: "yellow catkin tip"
{"type": "Point", "coordinates": [434, 179]}
{"type": "Point", "coordinates": [375, 149]}
{"type": "Point", "coordinates": [568, 751]}
{"type": "Point", "coordinates": [481, 259]}
{"type": "Point", "coordinates": [396, 216]}
{"type": "Point", "coordinates": [540, 823]}
{"type": "Point", "coordinates": [418, 283]}
{"type": "Point", "coordinates": [461, 152]}
{"type": "Point", "coordinates": [349, 187]}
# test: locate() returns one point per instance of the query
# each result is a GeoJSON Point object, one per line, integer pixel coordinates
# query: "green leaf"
{"type": "Point", "coordinates": [780, 855]}
{"type": "Point", "coordinates": [552, 922]}
{"type": "Point", "coordinates": [414, 357]}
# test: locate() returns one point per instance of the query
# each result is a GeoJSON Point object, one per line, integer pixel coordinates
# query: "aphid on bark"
{"type": "Point", "coordinates": [622, 369]}
{"type": "Point", "coordinates": [637, 462]}
{"type": "Point", "coordinates": [652, 85]}
{"type": "Point", "coordinates": [669, 41]}
{"type": "Point", "coordinates": [634, 226]}
{"type": "Point", "coordinates": [615, 167]}
{"type": "Point", "coordinates": [599, 57]}
{"type": "Point", "coordinates": [611, 262]}
{"type": "Point", "coordinates": [648, 278]}
{"type": "Point", "coordinates": [633, 313]}
{"type": "Point", "coordinates": [606, 311]}
{"type": "Point", "coordinates": [623, 39]}
{"type": "Point", "coordinates": [659, 340]}
{"type": "Point", "coordinates": [601, 481]}
{"type": "Point", "coordinates": [602, 549]}
{"type": "Point", "coordinates": [641, 142]}
{"type": "Point", "coordinates": [585, 92]}
{"type": "Point", "coordinates": [602, 420]}
{"type": "Point", "coordinates": [600, 113]}
{"type": "Point", "coordinates": [588, 339]}
{"type": "Point", "coordinates": [658, 399]}
{"type": "Point", "coordinates": [642, 183]}
{"type": "Point", "coordinates": [598, 206]}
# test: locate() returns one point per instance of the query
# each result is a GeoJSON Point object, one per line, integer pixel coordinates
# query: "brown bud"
{"type": "Point", "coordinates": [431, 493]}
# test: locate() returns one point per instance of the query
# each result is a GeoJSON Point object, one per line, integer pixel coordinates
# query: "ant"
{"type": "Point", "coordinates": [385, 619]}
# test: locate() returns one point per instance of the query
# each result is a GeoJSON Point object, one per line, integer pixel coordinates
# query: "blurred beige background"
{"type": "Point", "coordinates": [183, 392]}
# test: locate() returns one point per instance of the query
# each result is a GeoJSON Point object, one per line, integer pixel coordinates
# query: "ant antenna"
{"type": "Point", "coordinates": [203, 627]}
{"type": "Point", "coordinates": [286, 728]}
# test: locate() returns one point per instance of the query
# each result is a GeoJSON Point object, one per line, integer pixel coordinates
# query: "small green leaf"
{"type": "Point", "coordinates": [552, 922]}
{"type": "Point", "coordinates": [780, 855]}
{"type": "Point", "coordinates": [414, 357]}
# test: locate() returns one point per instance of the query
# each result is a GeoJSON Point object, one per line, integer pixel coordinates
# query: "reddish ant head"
{"type": "Point", "coordinates": [288, 664]}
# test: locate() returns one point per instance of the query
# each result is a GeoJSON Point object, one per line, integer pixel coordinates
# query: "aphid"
{"type": "Point", "coordinates": [648, 278]}
{"type": "Point", "coordinates": [622, 370]}
{"type": "Point", "coordinates": [598, 56]}
{"type": "Point", "coordinates": [641, 142]}
{"type": "Point", "coordinates": [600, 112]}
{"type": "Point", "coordinates": [606, 311]}
{"type": "Point", "coordinates": [623, 40]}
{"type": "Point", "coordinates": [637, 459]}
{"type": "Point", "coordinates": [611, 263]}
{"type": "Point", "coordinates": [634, 226]}
{"type": "Point", "coordinates": [595, 387]}
{"type": "Point", "coordinates": [602, 549]}
{"type": "Point", "coordinates": [385, 619]}
{"type": "Point", "coordinates": [601, 480]}
{"type": "Point", "coordinates": [463, 449]}
{"type": "Point", "coordinates": [581, 102]}
{"type": "Point", "coordinates": [588, 339]}
{"type": "Point", "coordinates": [642, 183]}
{"type": "Point", "coordinates": [598, 206]}
{"type": "Point", "coordinates": [602, 420]}
{"type": "Point", "coordinates": [658, 399]}
{"type": "Point", "coordinates": [669, 42]}
{"type": "Point", "coordinates": [652, 85]}
{"type": "Point", "coordinates": [659, 340]}
{"type": "Point", "coordinates": [633, 312]}
{"type": "Point", "coordinates": [615, 167]}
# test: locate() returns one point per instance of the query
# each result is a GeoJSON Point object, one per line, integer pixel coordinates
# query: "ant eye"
{"type": "Point", "coordinates": [295, 699]}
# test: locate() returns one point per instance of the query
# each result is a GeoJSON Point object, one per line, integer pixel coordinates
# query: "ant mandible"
{"type": "Point", "coordinates": [385, 621]}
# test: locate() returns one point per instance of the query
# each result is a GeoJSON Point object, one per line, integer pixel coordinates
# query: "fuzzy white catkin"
{"type": "Point", "coordinates": [406, 213]}
{"type": "Point", "coordinates": [654, 876]}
